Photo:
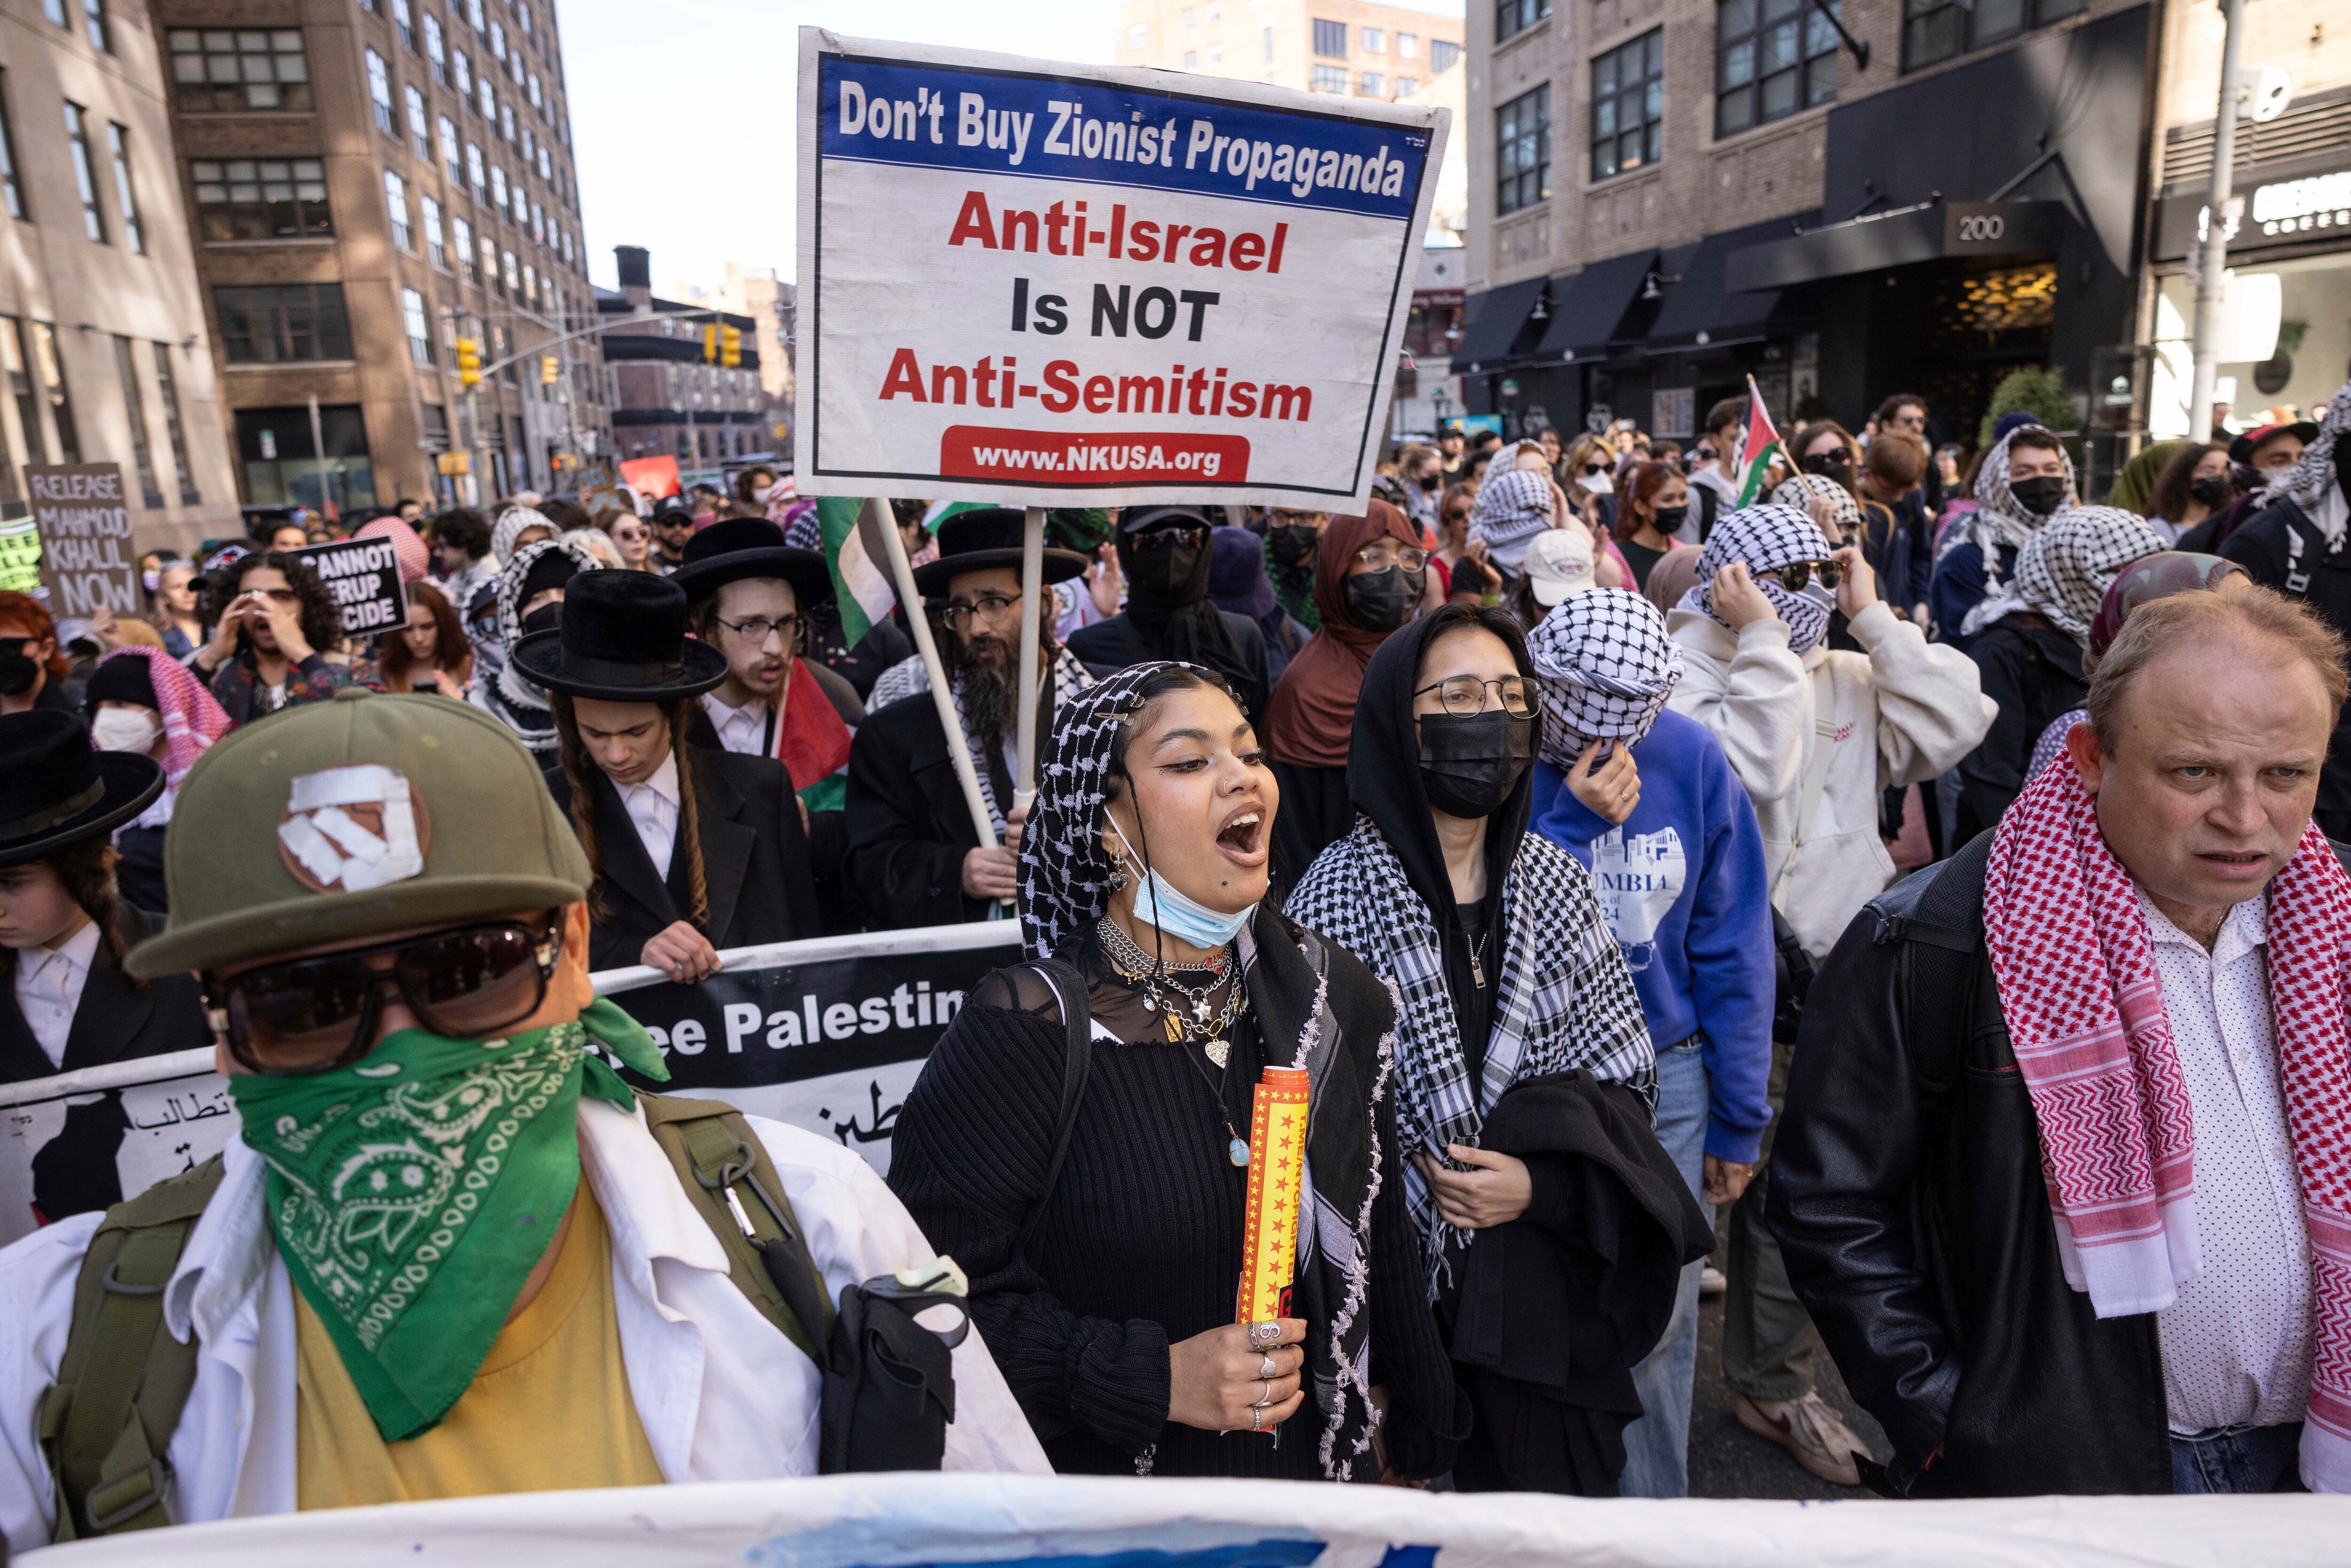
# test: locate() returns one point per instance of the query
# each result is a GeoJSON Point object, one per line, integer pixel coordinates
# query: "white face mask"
{"type": "Point", "coordinates": [1598, 484]}
{"type": "Point", "coordinates": [124, 729]}
{"type": "Point", "coordinates": [760, 494]}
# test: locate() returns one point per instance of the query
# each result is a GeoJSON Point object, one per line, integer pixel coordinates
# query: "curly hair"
{"type": "Point", "coordinates": [322, 623]}
{"type": "Point", "coordinates": [582, 772]}
{"type": "Point", "coordinates": [2173, 490]}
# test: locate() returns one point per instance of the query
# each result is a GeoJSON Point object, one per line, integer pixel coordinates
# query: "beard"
{"type": "Point", "coordinates": [986, 686]}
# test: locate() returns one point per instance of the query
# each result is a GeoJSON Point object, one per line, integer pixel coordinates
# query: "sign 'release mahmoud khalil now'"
{"type": "Point", "coordinates": [1021, 278]}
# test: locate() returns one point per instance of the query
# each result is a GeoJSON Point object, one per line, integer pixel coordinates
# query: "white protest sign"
{"type": "Point", "coordinates": [1021, 278]}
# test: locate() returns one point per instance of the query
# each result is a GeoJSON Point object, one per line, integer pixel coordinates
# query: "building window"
{"type": "Point", "coordinates": [537, 220]}
{"type": "Point", "coordinates": [1268, 45]}
{"type": "Point", "coordinates": [1442, 53]}
{"type": "Point", "coordinates": [1330, 39]}
{"type": "Point", "coordinates": [420, 328]}
{"type": "Point", "coordinates": [1375, 41]}
{"type": "Point", "coordinates": [1184, 18]}
{"type": "Point", "coordinates": [434, 50]}
{"type": "Point", "coordinates": [1936, 29]}
{"type": "Point", "coordinates": [49, 386]}
{"type": "Point", "coordinates": [474, 175]}
{"type": "Point", "coordinates": [513, 274]}
{"type": "Point", "coordinates": [93, 25]}
{"type": "Point", "coordinates": [379, 77]}
{"type": "Point", "coordinates": [218, 71]}
{"type": "Point", "coordinates": [54, 10]}
{"type": "Point", "coordinates": [461, 240]}
{"type": "Point", "coordinates": [1628, 106]}
{"type": "Point", "coordinates": [497, 187]}
{"type": "Point", "coordinates": [85, 170]}
{"type": "Point", "coordinates": [1512, 17]}
{"type": "Point", "coordinates": [1407, 46]}
{"type": "Point", "coordinates": [283, 323]}
{"type": "Point", "coordinates": [167, 387]}
{"type": "Point", "coordinates": [522, 15]}
{"type": "Point", "coordinates": [530, 283]}
{"type": "Point", "coordinates": [283, 466]}
{"type": "Point", "coordinates": [1329, 78]}
{"type": "Point", "coordinates": [490, 263]}
{"type": "Point", "coordinates": [419, 133]}
{"type": "Point", "coordinates": [244, 198]}
{"type": "Point", "coordinates": [1406, 86]}
{"type": "Point", "coordinates": [473, 13]}
{"type": "Point", "coordinates": [485, 98]}
{"type": "Point", "coordinates": [12, 194]}
{"type": "Point", "coordinates": [506, 122]}
{"type": "Point", "coordinates": [118, 149]}
{"type": "Point", "coordinates": [403, 25]}
{"type": "Point", "coordinates": [434, 251]}
{"type": "Point", "coordinates": [461, 75]}
{"type": "Point", "coordinates": [538, 98]}
{"type": "Point", "coordinates": [1523, 150]}
{"type": "Point", "coordinates": [395, 201]}
{"type": "Point", "coordinates": [448, 133]}
{"type": "Point", "coordinates": [497, 41]}
{"type": "Point", "coordinates": [142, 449]}
{"type": "Point", "coordinates": [546, 165]}
{"type": "Point", "coordinates": [514, 66]}
{"type": "Point", "coordinates": [1772, 57]}
{"type": "Point", "coordinates": [1372, 84]}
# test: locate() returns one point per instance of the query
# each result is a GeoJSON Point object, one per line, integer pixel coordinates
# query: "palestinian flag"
{"type": "Point", "coordinates": [859, 559]}
{"type": "Point", "coordinates": [1758, 444]}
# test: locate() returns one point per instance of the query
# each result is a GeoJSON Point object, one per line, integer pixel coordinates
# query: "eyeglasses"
{"type": "Point", "coordinates": [1797, 573]}
{"type": "Point", "coordinates": [1593, 467]}
{"type": "Point", "coordinates": [1279, 517]}
{"type": "Point", "coordinates": [1466, 694]}
{"type": "Point", "coordinates": [312, 1015]}
{"type": "Point", "coordinates": [1381, 554]}
{"type": "Point", "coordinates": [756, 628]}
{"type": "Point", "coordinates": [989, 607]}
{"type": "Point", "coordinates": [1168, 538]}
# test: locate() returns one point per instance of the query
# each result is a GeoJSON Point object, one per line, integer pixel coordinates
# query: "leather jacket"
{"type": "Point", "coordinates": [1907, 1196]}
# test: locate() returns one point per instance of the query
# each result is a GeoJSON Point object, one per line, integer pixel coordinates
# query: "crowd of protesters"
{"type": "Point", "coordinates": [1927, 866]}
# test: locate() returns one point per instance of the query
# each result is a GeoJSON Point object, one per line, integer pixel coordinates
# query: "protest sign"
{"type": "Point", "coordinates": [87, 557]}
{"type": "Point", "coordinates": [363, 575]}
{"type": "Point", "coordinates": [652, 478]}
{"type": "Point", "coordinates": [20, 556]}
{"type": "Point", "coordinates": [1114, 287]}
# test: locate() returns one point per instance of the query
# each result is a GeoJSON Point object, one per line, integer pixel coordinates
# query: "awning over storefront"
{"type": "Point", "coordinates": [1701, 310]}
{"type": "Point", "coordinates": [1592, 314]}
{"type": "Point", "coordinates": [1495, 319]}
{"type": "Point", "coordinates": [1930, 231]}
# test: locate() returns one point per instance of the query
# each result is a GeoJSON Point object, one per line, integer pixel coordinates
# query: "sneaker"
{"type": "Point", "coordinates": [1809, 1429]}
{"type": "Point", "coordinates": [1710, 1282]}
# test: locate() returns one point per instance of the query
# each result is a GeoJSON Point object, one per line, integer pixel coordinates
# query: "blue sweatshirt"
{"type": "Point", "coordinates": [1682, 886]}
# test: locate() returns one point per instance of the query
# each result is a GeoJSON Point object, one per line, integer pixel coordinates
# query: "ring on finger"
{"type": "Point", "coordinates": [1265, 1334]}
{"type": "Point", "coordinates": [1255, 1425]}
{"type": "Point", "coordinates": [1266, 1368]}
{"type": "Point", "coordinates": [1264, 1397]}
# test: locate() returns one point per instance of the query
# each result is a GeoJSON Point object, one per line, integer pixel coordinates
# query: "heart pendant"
{"type": "Point", "coordinates": [1218, 1051]}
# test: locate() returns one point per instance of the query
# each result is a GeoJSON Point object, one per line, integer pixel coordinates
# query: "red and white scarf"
{"type": "Point", "coordinates": [2084, 1005]}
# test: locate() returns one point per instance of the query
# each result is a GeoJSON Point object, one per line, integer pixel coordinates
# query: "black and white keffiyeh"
{"type": "Point", "coordinates": [1069, 677]}
{"type": "Point", "coordinates": [520, 705]}
{"type": "Point", "coordinates": [509, 526]}
{"type": "Point", "coordinates": [1564, 998]}
{"type": "Point", "coordinates": [1766, 537]}
{"type": "Point", "coordinates": [2000, 519]}
{"type": "Point", "coordinates": [2315, 474]}
{"type": "Point", "coordinates": [2063, 572]}
{"type": "Point", "coordinates": [1797, 491]}
{"type": "Point", "coordinates": [1606, 667]}
{"type": "Point", "coordinates": [1511, 508]}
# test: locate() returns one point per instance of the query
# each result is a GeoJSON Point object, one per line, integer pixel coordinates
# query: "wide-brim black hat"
{"type": "Point", "coordinates": [738, 548]}
{"type": "Point", "coordinates": [622, 639]}
{"type": "Point", "coordinates": [56, 791]}
{"type": "Point", "coordinates": [983, 539]}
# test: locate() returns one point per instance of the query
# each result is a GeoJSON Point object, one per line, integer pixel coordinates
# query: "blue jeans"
{"type": "Point", "coordinates": [2239, 1459]}
{"type": "Point", "coordinates": [1657, 1447]}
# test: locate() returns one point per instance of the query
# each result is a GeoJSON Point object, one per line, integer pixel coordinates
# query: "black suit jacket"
{"type": "Point", "coordinates": [755, 862]}
{"type": "Point", "coordinates": [828, 832]}
{"type": "Point", "coordinates": [117, 1021]}
{"type": "Point", "coordinates": [908, 826]}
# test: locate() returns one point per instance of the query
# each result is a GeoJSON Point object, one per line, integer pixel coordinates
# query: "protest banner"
{"type": "Point", "coordinates": [20, 556]}
{"type": "Point", "coordinates": [828, 1034]}
{"type": "Point", "coordinates": [363, 575]}
{"type": "Point", "coordinates": [87, 557]}
{"type": "Point", "coordinates": [652, 478]}
{"type": "Point", "coordinates": [1116, 287]}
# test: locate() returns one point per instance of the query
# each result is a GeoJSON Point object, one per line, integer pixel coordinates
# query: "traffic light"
{"type": "Point", "coordinates": [547, 369]}
{"type": "Point", "coordinates": [469, 362]}
{"type": "Point", "coordinates": [730, 347]}
{"type": "Point", "coordinates": [710, 343]}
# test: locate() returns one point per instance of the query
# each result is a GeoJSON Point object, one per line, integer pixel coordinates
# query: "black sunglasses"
{"type": "Point", "coordinates": [1797, 573]}
{"type": "Point", "coordinates": [313, 1015]}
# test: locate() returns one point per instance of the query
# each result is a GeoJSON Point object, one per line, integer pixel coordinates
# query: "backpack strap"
{"type": "Point", "coordinates": [106, 1423]}
{"type": "Point", "coordinates": [718, 1157]}
{"type": "Point", "coordinates": [1077, 1062]}
{"type": "Point", "coordinates": [1942, 938]}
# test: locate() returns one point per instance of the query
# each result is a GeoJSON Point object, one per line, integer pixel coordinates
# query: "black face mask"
{"type": "Point", "coordinates": [1430, 482]}
{"type": "Point", "coordinates": [1294, 544]}
{"type": "Point", "coordinates": [1470, 764]}
{"type": "Point", "coordinates": [2041, 495]}
{"type": "Point", "coordinates": [1383, 601]}
{"type": "Point", "coordinates": [545, 618]}
{"type": "Point", "coordinates": [2343, 465]}
{"type": "Point", "coordinates": [18, 673]}
{"type": "Point", "coordinates": [1669, 519]}
{"type": "Point", "coordinates": [1162, 574]}
{"type": "Point", "coordinates": [1830, 465]}
{"type": "Point", "coordinates": [2212, 492]}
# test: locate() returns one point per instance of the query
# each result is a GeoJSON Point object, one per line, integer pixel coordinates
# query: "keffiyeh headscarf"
{"type": "Point", "coordinates": [191, 721]}
{"type": "Point", "coordinates": [1796, 493]}
{"type": "Point", "coordinates": [1767, 537]}
{"type": "Point", "coordinates": [1607, 667]}
{"type": "Point", "coordinates": [2309, 479]}
{"type": "Point", "coordinates": [2000, 519]}
{"type": "Point", "coordinates": [1065, 877]}
{"type": "Point", "coordinates": [1511, 508]}
{"type": "Point", "coordinates": [520, 705]}
{"type": "Point", "coordinates": [510, 525]}
{"type": "Point", "coordinates": [2063, 572]}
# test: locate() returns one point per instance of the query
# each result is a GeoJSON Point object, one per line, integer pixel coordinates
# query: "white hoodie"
{"type": "Point", "coordinates": [1922, 703]}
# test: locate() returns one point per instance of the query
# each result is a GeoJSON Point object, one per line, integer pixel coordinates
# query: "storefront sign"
{"type": "Point", "coordinates": [1024, 277]}
{"type": "Point", "coordinates": [87, 558]}
{"type": "Point", "coordinates": [2295, 211]}
{"type": "Point", "coordinates": [363, 575]}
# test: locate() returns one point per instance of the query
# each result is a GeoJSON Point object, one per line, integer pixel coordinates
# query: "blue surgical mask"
{"type": "Point", "coordinates": [1184, 918]}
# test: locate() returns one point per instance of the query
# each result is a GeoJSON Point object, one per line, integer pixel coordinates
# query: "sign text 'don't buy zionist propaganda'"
{"type": "Point", "coordinates": [1029, 278]}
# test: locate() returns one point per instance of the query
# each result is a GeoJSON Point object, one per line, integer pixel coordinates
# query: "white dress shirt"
{"type": "Point", "coordinates": [652, 806]}
{"type": "Point", "coordinates": [48, 988]}
{"type": "Point", "coordinates": [742, 730]}
{"type": "Point", "coordinates": [2237, 1338]}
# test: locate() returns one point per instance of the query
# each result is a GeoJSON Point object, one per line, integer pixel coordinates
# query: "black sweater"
{"type": "Point", "coordinates": [1139, 1245]}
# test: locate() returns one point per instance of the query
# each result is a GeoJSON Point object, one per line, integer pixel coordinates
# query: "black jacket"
{"type": "Point", "coordinates": [1109, 646]}
{"type": "Point", "coordinates": [117, 1021]}
{"type": "Point", "coordinates": [2281, 547]}
{"type": "Point", "coordinates": [1557, 1307]}
{"type": "Point", "coordinates": [828, 837]}
{"type": "Point", "coordinates": [755, 862]}
{"type": "Point", "coordinates": [1907, 1196]}
{"type": "Point", "coordinates": [2034, 671]}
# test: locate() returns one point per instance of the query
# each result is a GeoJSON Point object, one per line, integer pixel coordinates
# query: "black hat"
{"type": "Point", "coordinates": [2242, 450]}
{"type": "Point", "coordinates": [621, 638]}
{"type": "Point", "coordinates": [554, 568]}
{"type": "Point", "coordinates": [1142, 519]}
{"type": "Point", "coordinates": [982, 540]}
{"type": "Point", "coordinates": [734, 548]}
{"type": "Point", "coordinates": [56, 791]}
{"type": "Point", "coordinates": [123, 680]}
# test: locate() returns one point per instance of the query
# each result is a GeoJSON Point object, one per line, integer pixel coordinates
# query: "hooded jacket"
{"type": "Point", "coordinates": [1979, 548]}
{"type": "Point", "coordinates": [1177, 621]}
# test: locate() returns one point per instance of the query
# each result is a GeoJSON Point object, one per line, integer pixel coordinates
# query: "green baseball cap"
{"type": "Point", "coordinates": [367, 815]}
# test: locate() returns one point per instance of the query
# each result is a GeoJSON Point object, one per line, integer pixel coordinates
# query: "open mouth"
{"type": "Point", "coordinates": [1244, 835]}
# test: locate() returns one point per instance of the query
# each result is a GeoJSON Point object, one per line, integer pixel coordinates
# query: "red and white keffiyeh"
{"type": "Point", "coordinates": [192, 718]}
{"type": "Point", "coordinates": [2084, 1005]}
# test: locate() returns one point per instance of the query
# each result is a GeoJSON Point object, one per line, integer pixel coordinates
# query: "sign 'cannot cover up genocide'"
{"type": "Point", "coordinates": [1114, 287]}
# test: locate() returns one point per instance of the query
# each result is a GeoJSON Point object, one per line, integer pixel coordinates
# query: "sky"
{"type": "Point", "coordinates": [682, 114]}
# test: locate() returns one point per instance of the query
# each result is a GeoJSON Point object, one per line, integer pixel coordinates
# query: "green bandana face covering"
{"type": "Point", "coordinates": [414, 1190]}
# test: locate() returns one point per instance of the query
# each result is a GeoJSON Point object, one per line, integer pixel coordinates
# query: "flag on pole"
{"type": "Point", "coordinates": [1758, 444]}
{"type": "Point", "coordinates": [860, 562]}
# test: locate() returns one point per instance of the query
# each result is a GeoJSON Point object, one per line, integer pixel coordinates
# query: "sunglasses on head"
{"type": "Point", "coordinates": [1796, 574]}
{"type": "Point", "coordinates": [312, 1015]}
